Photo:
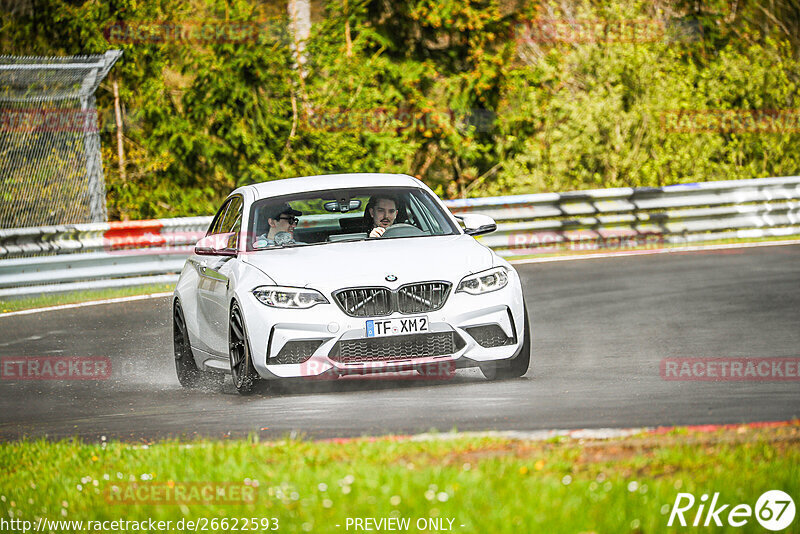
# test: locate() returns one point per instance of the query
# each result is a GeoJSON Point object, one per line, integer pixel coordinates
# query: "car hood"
{"type": "Point", "coordinates": [333, 266]}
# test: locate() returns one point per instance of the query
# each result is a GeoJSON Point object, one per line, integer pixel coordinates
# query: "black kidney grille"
{"type": "Point", "coordinates": [424, 297]}
{"type": "Point", "coordinates": [365, 301]}
{"type": "Point", "coordinates": [379, 301]}
{"type": "Point", "coordinates": [490, 335]}
{"type": "Point", "coordinates": [394, 348]}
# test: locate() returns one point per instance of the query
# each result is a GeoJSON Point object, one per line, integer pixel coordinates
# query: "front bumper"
{"type": "Point", "coordinates": [327, 328]}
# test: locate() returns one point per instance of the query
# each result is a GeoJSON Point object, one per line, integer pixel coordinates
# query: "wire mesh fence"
{"type": "Point", "coordinates": [50, 162]}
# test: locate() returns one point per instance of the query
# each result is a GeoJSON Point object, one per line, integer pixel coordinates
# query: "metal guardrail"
{"type": "Point", "coordinates": [104, 255]}
{"type": "Point", "coordinates": [629, 217]}
{"type": "Point", "coordinates": [99, 237]}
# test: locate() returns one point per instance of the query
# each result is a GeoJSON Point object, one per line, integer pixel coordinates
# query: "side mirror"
{"type": "Point", "coordinates": [476, 224]}
{"type": "Point", "coordinates": [217, 245]}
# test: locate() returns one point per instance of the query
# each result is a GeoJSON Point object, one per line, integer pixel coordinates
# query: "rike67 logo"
{"type": "Point", "coordinates": [774, 510]}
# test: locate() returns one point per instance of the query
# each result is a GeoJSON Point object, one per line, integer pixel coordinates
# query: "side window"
{"type": "Point", "coordinates": [233, 216]}
{"type": "Point", "coordinates": [233, 221]}
{"type": "Point", "coordinates": [228, 219]}
{"type": "Point", "coordinates": [217, 222]}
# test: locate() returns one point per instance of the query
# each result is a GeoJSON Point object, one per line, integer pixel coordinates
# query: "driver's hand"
{"type": "Point", "coordinates": [377, 231]}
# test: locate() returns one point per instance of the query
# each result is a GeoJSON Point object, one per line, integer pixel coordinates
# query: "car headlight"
{"type": "Point", "coordinates": [289, 297]}
{"type": "Point", "coordinates": [484, 281]}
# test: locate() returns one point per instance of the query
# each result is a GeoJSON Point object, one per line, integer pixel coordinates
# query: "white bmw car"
{"type": "Point", "coordinates": [325, 276]}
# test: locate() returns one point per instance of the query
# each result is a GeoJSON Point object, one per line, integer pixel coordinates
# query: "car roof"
{"type": "Point", "coordinates": [331, 181]}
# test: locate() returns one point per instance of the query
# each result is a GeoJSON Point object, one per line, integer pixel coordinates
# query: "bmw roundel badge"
{"type": "Point", "coordinates": [391, 278]}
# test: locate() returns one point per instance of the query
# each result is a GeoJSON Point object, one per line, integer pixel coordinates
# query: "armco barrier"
{"type": "Point", "coordinates": [63, 258]}
{"type": "Point", "coordinates": [94, 256]}
{"type": "Point", "coordinates": [94, 237]}
{"type": "Point", "coordinates": [623, 217]}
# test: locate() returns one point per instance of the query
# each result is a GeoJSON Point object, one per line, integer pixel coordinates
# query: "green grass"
{"type": "Point", "coordinates": [44, 301]}
{"type": "Point", "coordinates": [489, 485]}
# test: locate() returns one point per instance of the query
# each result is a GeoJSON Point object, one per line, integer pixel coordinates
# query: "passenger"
{"type": "Point", "coordinates": [282, 223]}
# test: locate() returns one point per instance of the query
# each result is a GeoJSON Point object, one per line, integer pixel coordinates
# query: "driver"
{"type": "Point", "coordinates": [282, 222]}
{"type": "Point", "coordinates": [382, 212]}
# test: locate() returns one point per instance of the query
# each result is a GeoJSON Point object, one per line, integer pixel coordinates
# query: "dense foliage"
{"type": "Point", "coordinates": [476, 98]}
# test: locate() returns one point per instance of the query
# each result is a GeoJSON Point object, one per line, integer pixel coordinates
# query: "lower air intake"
{"type": "Point", "coordinates": [296, 351]}
{"type": "Point", "coordinates": [490, 335]}
{"type": "Point", "coordinates": [383, 349]}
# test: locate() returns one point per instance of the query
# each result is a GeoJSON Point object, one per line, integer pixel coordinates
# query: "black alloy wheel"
{"type": "Point", "coordinates": [244, 374]}
{"type": "Point", "coordinates": [186, 368]}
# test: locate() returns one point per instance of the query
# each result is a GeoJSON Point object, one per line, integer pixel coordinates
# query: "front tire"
{"type": "Point", "coordinates": [244, 374]}
{"type": "Point", "coordinates": [519, 364]}
{"type": "Point", "coordinates": [186, 368]}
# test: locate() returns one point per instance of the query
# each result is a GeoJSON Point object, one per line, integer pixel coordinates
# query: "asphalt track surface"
{"type": "Point", "coordinates": [601, 328]}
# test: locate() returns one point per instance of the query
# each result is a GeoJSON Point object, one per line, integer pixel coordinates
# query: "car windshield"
{"type": "Point", "coordinates": [345, 215]}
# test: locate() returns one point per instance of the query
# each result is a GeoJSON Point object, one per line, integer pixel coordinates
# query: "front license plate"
{"type": "Point", "coordinates": [395, 327]}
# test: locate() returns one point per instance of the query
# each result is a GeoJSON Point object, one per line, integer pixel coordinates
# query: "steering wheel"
{"type": "Point", "coordinates": [403, 230]}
